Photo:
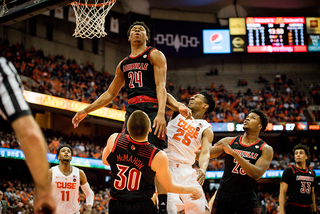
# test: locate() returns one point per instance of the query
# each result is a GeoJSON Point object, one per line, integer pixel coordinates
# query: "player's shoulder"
{"type": "Point", "coordinates": [160, 156]}
{"type": "Point", "coordinates": [156, 53]}
{"type": "Point", "coordinates": [228, 140]}
{"type": "Point", "coordinates": [267, 147]}
{"type": "Point", "coordinates": [289, 169]}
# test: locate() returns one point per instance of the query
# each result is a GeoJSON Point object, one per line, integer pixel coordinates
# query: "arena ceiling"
{"type": "Point", "coordinates": [253, 7]}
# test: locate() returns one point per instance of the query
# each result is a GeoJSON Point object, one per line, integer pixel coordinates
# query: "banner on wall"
{"type": "Point", "coordinates": [237, 26]}
{"type": "Point", "coordinates": [314, 43]}
{"type": "Point", "coordinates": [58, 13]}
{"type": "Point", "coordinates": [238, 43]}
{"type": "Point", "coordinates": [71, 15]}
{"type": "Point", "coordinates": [76, 161]}
{"type": "Point", "coordinates": [216, 41]}
{"type": "Point", "coordinates": [177, 39]}
{"type": "Point", "coordinates": [313, 25]}
{"type": "Point", "coordinates": [71, 105]}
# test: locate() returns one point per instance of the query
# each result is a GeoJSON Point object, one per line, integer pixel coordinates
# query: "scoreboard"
{"type": "Point", "coordinates": [276, 34]}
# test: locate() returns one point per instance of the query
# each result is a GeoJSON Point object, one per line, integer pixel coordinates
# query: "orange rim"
{"type": "Point", "coordinates": [93, 5]}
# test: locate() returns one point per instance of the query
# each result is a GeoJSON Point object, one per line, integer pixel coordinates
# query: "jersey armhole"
{"type": "Point", "coordinates": [150, 52]}
{"type": "Point", "coordinates": [262, 145]}
{"type": "Point", "coordinates": [292, 170]}
{"type": "Point", "coordinates": [152, 156]}
{"type": "Point", "coordinates": [311, 171]}
{"type": "Point", "coordinates": [115, 143]}
{"type": "Point", "coordinates": [122, 62]}
{"type": "Point", "coordinates": [233, 140]}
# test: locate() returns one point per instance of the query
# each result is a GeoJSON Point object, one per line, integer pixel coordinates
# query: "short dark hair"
{"type": "Point", "coordinates": [303, 147]}
{"type": "Point", "coordinates": [209, 100]}
{"type": "Point", "coordinates": [64, 145]}
{"type": "Point", "coordinates": [263, 118]}
{"type": "Point", "coordinates": [142, 24]}
{"type": "Point", "coordinates": [138, 125]}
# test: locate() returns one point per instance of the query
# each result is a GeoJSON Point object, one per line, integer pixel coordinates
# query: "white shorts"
{"type": "Point", "coordinates": [184, 174]}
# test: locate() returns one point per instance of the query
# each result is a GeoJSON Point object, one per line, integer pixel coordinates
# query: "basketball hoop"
{"type": "Point", "coordinates": [90, 18]}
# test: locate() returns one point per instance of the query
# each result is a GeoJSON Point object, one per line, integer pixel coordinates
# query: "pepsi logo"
{"type": "Point", "coordinates": [216, 38]}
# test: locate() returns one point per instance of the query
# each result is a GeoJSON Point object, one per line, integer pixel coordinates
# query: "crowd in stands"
{"type": "Point", "coordinates": [66, 78]}
{"type": "Point", "coordinates": [83, 146]}
{"type": "Point", "coordinates": [314, 90]}
{"type": "Point", "coordinates": [280, 101]}
{"type": "Point", "coordinates": [16, 191]}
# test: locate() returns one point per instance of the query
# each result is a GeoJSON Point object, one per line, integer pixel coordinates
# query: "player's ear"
{"type": "Point", "coordinates": [205, 106]}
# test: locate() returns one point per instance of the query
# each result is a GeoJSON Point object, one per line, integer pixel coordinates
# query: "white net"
{"type": "Point", "coordinates": [90, 18]}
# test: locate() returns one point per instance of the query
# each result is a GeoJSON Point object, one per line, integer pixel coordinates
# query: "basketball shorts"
{"type": "Point", "coordinates": [132, 207]}
{"type": "Point", "coordinates": [184, 174]}
{"type": "Point", "coordinates": [151, 109]}
{"type": "Point", "coordinates": [231, 203]}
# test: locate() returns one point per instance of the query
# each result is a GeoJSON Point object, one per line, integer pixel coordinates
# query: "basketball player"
{"type": "Point", "coordinates": [299, 182]}
{"type": "Point", "coordinates": [247, 159]}
{"type": "Point", "coordinates": [15, 109]}
{"type": "Point", "coordinates": [185, 137]}
{"type": "Point", "coordinates": [134, 163]}
{"type": "Point", "coordinates": [66, 180]}
{"type": "Point", "coordinates": [143, 73]}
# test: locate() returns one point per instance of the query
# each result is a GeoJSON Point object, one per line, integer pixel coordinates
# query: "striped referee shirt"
{"type": "Point", "coordinates": [12, 103]}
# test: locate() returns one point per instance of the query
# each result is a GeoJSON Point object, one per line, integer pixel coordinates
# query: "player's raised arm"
{"type": "Point", "coordinates": [104, 99]}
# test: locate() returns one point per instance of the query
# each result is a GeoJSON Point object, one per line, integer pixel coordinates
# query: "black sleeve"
{"type": "Point", "coordinates": [287, 175]}
{"type": "Point", "coordinates": [12, 103]}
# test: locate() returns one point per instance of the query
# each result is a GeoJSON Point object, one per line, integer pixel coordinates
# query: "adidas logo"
{"type": "Point", "coordinates": [163, 203]}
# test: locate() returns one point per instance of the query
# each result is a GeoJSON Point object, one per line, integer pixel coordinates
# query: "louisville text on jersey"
{"type": "Point", "coordinates": [135, 66]}
{"type": "Point", "coordinates": [251, 155]}
{"type": "Point", "coordinates": [304, 178]}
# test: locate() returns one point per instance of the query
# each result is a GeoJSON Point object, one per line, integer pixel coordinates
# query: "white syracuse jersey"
{"type": "Point", "coordinates": [66, 190]}
{"type": "Point", "coordinates": [184, 139]}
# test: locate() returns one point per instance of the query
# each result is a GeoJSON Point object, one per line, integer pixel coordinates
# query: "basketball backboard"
{"type": "Point", "coordinates": [12, 11]}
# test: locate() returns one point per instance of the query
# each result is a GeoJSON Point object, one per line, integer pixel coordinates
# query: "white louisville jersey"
{"type": "Point", "coordinates": [184, 139]}
{"type": "Point", "coordinates": [66, 190]}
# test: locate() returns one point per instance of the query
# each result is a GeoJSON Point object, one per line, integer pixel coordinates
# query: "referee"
{"type": "Point", "coordinates": [14, 108]}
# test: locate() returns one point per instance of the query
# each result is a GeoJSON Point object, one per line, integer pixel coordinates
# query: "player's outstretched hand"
{"type": "Point", "coordinates": [201, 176]}
{"type": "Point", "coordinates": [185, 111]}
{"type": "Point", "coordinates": [78, 117]}
{"type": "Point", "coordinates": [197, 193]}
{"type": "Point", "coordinates": [160, 126]}
{"type": "Point", "coordinates": [44, 202]}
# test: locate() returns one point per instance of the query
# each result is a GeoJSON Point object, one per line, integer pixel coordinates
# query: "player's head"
{"type": "Point", "coordinates": [301, 153]}
{"type": "Point", "coordinates": [64, 152]}
{"type": "Point", "coordinates": [138, 125]}
{"type": "Point", "coordinates": [202, 101]}
{"type": "Point", "coordinates": [141, 27]}
{"type": "Point", "coordinates": [256, 119]}
{"type": "Point", "coordinates": [1, 195]}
